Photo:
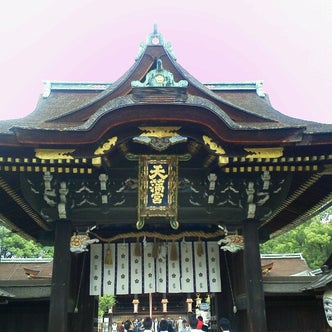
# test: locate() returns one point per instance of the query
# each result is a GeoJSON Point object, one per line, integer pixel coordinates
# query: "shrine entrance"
{"type": "Point", "coordinates": [159, 184]}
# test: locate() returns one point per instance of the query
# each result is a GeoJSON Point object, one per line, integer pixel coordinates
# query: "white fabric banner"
{"type": "Point", "coordinates": [126, 275]}
{"type": "Point", "coordinates": [149, 269]}
{"type": "Point", "coordinates": [200, 270]}
{"type": "Point", "coordinates": [135, 271]}
{"type": "Point", "coordinates": [95, 269]}
{"type": "Point", "coordinates": [109, 271]}
{"type": "Point", "coordinates": [161, 269]}
{"type": "Point", "coordinates": [122, 277]}
{"type": "Point", "coordinates": [214, 266]}
{"type": "Point", "coordinates": [174, 285]}
{"type": "Point", "coordinates": [187, 268]}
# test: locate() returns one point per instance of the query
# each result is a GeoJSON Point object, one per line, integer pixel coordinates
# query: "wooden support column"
{"type": "Point", "coordinates": [253, 278]}
{"type": "Point", "coordinates": [83, 318]}
{"type": "Point", "coordinates": [58, 315]}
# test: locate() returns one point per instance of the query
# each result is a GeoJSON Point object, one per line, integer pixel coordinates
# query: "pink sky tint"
{"type": "Point", "coordinates": [287, 44]}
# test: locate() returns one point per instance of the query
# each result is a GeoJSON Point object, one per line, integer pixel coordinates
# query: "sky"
{"type": "Point", "coordinates": [285, 43]}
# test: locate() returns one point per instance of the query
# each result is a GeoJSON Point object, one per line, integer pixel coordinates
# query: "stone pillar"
{"type": "Point", "coordinates": [58, 314]}
{"type": "Point", "coordinates": [253, 278]}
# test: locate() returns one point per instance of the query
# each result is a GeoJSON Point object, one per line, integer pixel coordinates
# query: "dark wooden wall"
{"type": "Point", "coordinates": [300, 314]}
{"type": "Point", "coordinates": [22, 316]}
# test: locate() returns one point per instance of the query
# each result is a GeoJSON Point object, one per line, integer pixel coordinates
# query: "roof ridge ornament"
{"type": "Point", "coordinates": [159, 77]}
{"type": "Point", "coordinates": [155, 39]}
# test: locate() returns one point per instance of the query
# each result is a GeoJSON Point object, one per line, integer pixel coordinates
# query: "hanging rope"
{"type": "Point", "coordinates": [80, 285]}
{"type": "Point", "coordinates": [230, 284]}
{"type": "Point", "coordinates": [160, 236]}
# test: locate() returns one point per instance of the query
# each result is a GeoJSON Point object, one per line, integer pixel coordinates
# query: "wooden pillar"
{"type": "Point", "coordinates": [58, 315]}
{"type": "Point", "coordinates": [253, 278]}
{"type": "Point", "coordinates": [83, 319]}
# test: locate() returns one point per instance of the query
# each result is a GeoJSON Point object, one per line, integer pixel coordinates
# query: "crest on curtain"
{"type": "Point", "coordinates": [158, 189]}
{"type": "Point", "coordinates": [128, 273]}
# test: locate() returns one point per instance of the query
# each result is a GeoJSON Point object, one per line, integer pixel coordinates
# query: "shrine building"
{"type": "Point", "coordinates": [158, 187]}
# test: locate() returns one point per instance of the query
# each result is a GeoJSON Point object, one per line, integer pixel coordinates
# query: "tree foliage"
{"type": "Point", "coordinates": [313, 239]}
{"type": "Point", "coordinates": [14, 246]}
{"type": "Point", "coordinates": [105, 303]}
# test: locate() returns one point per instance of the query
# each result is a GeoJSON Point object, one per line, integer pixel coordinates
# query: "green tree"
{"type": "Point", "coordinates": [105, 303]}
{"type": "Point", "coordinates": [14, 246]}
{"type": "Point", "coordinates": [313, 239]}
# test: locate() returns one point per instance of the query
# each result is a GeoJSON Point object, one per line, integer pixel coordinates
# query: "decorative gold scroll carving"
{"type": "Point", "coordinates": [265, 152]}
{"type": "Point", "coordinates": [159, 138]}
{"type": "Point", "coordinates": [159, 131]}
{"type": "Point", "coordinates": [54, 154]}
{"type": "Point", "coordinates": [223, 158]}
{"type": "Point", "coordinates": [106, 146]}
{"type": "Point", "coordinates": [213, 146]}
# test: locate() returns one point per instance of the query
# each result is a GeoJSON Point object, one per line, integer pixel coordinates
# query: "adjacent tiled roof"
{"type": "Point", "coordinates": [285, 264]}
{"type": "Point", "coordinates": [22, 269]}
{"type": "Point", "coordinates": [19, 278]}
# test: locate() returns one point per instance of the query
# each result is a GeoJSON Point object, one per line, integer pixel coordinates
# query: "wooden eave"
{"type": "Point", "coordinates": [125, 112]}
{"type": "Point", "coordinates": [16, 214]}
{"type": "Point", "coordinates": [309, 195]}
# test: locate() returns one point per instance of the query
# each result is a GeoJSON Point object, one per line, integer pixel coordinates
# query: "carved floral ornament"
{"type": "Point", "coordinates": [249, 152]}
{"type": "Point", "coordinates": [159, 138]}
{"type": "Point", "coordinates": [79, 242]}
{"type": "Point", "coordinates": [159, 77]}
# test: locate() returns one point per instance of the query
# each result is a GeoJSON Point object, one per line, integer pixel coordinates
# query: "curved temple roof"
{"type": "Point", "coordinates": [228, 131]}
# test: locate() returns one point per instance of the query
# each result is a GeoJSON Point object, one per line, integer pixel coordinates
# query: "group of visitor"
{"type": "Point", "coordinates": [193, 324]}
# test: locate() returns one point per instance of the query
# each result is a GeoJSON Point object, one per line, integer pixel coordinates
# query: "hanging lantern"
{"type": "Point", "coordinates": [189, 302]}
{"type": "Point", "coordinates": [164, 303]}
{"type": "Point", "coordinates": [135, 303]}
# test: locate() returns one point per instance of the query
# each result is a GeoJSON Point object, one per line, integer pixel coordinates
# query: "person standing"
{"type": "Point", "coordinates": [193, 324]}
{"type": "Point", "coordinates": [163, 325]}
{"type": "Point", "coordinates": [199, 322]}
{"type": "Point", "coordinates": [128, 326]}
{"type": "Point", "coordinates": [147, 324]}
{"type": "Point", "coordinates": [156, 325]}
{"type": "Point", "coordinates": [179, 324]}
{"type": "Point", "coordinates": [185, 326]}
{"type": "Point", "coordinates": [225, 325]}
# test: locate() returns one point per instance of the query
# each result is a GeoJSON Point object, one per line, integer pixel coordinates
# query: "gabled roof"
{"type": "Point", "coordinates": [78, 107]}
{"type": "Point", "coordinates": [227, 128]}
